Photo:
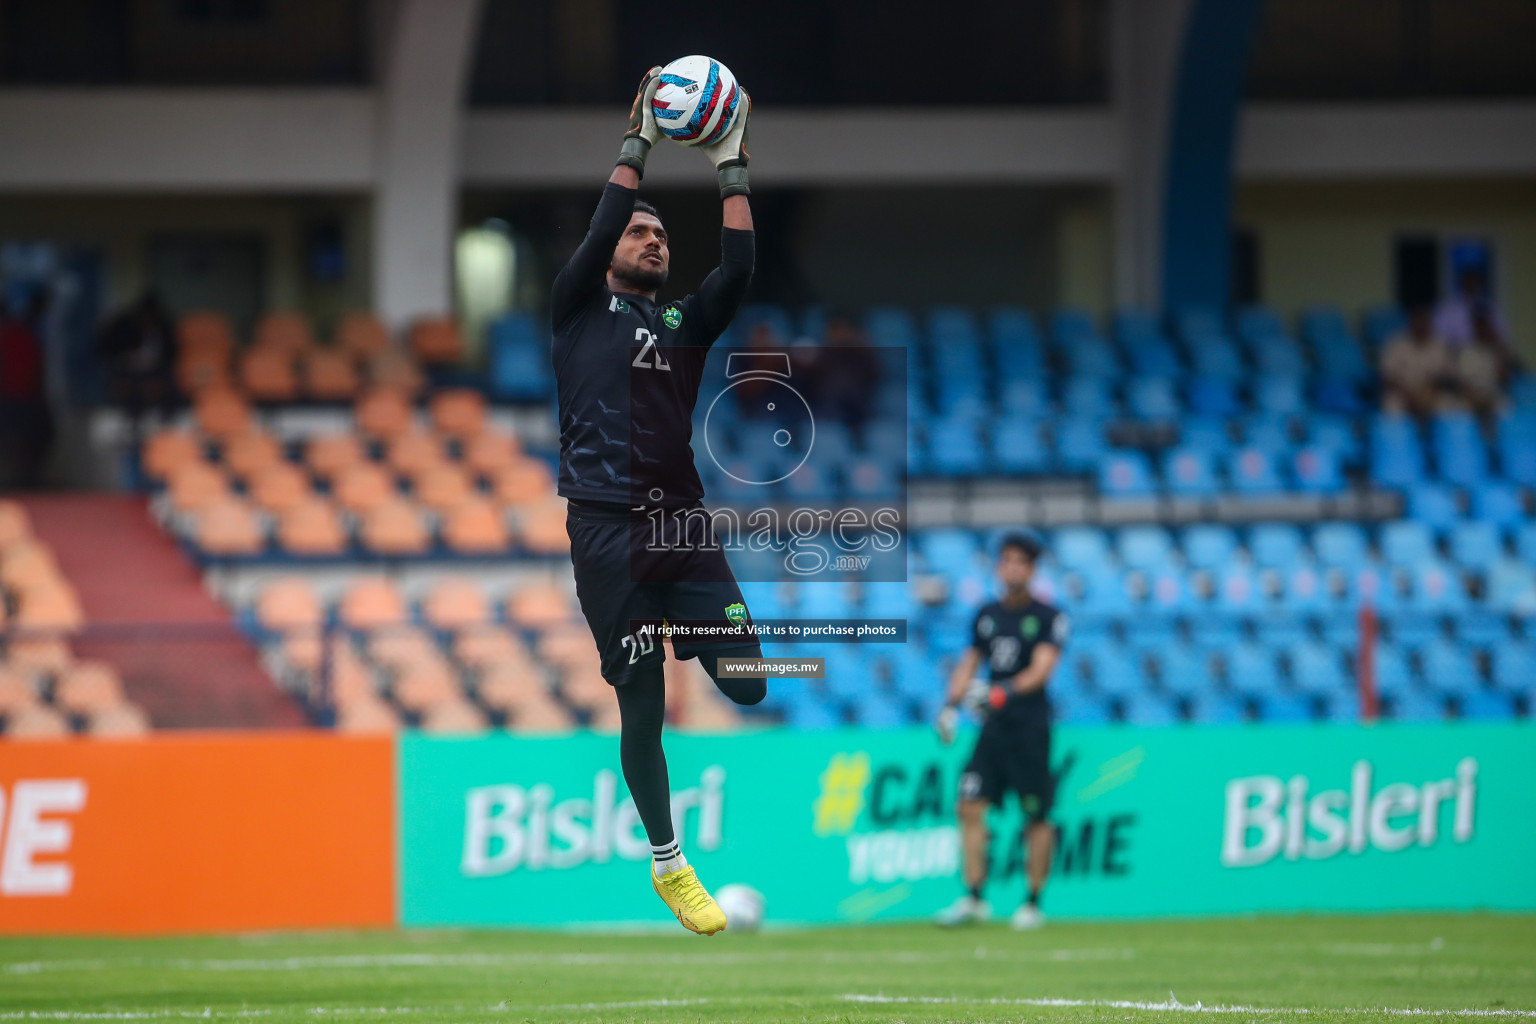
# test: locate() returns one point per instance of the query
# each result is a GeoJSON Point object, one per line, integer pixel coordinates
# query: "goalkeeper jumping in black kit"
{"type": "Point", "coordinates": [1019, 638]}
{"type": "Point", "coordinates": [627, 370]}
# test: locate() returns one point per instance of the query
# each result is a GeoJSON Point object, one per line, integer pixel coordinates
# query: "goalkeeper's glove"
{"type": "Point", "coordinates": [977, 695]}
{"type": "Point", "coordinates": [643, 133]}
{"type": "Point", "coordinates": [729, 155]}
{"type": "Point", "coordinates": [946, 724]}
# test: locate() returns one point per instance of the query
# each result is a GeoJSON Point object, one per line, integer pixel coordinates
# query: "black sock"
{"type": "Point", "coordinates": [1034, 897]}
{"type": "Point", "coordinates": [642, 709]}
{"type": "Point", "coordinates": [975, 892]}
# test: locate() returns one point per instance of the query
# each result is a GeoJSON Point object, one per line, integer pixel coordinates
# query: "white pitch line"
{"type": "Point", "coordinates": [1173, 1005]}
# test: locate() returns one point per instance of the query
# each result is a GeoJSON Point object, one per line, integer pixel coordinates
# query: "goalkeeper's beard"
{"type": "Point", "coordinates": [639, 277]}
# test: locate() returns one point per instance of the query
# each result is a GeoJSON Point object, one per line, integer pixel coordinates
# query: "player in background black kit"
{"type": "Point", "coordinates": [1019, 639]}
{"type": "Point", "coordinates": [627, 371]}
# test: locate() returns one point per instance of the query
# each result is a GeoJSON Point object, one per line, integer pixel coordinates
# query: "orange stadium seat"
{"type": "Point", "coordinates": [284, 331]}
{"type": "Point", "coordinates": [487, 645]}
{"type": "Point", "coordinates": [302, 652]}
{"type": "Point", "coordinates": [280, 487]}
{"type": "Point", "coordinates": [585, 688]}
{"type": "Point", "coordinates": [383, 413]}
{"type": "Point", "coordinates": [489, 452]}
{"type": "Point", "coordinates": [27, 564]}
{"type": "Point", "coordinates": [249, 453]}
{"type": "Point", "coordinates": [568, 645]}
{"type": "Point", "coordinates": [53, 608]}
{"type": "Point", "coordinates": [220, 412]}
{"type": "Point", "coordinates": [523, 482]}
{"type": "Point", "coordinates": [198, 370]}
{"type": "Point", "coordinates": [367, 717]}
{"type": "Point", "coordinates": [230, 526]}
{"type": "Point", "coordinates": [459, 412]}
{"type": "Point", "coordinates": [400, 647]}
{"type": "Point", "coordinates": [542, 528]}
{"type": "Point", "coordinates": [394, 528]}
{"type": "Point", "coordinates": [15, 525]}
{"type": "Point", "coordinates": [289, 604]}
{"type": "Point", "coordinates": [352, 679]}
{"type": "Point", "coordinates": [39, 655]}
{"type": "Point", "coordinates": [37, 722]}
{"type": "Point", "coordinates": [205, 330]}
{"type": "Point", "coordinates": [330, 376]}
{"type": "Point", "coordinates": [327, 455]}
{"type": "Point", "coordinates": [544, 715]}
{"type": "Point", "coordinates": [313, 527]}
{"type": "Point", "coordinates": [197, 485]}
{"type": "Point", "coordinates": [540, 604]}
{"type": "Point", "coordinates": [507, 686]}
{"type": "Point", "coordinates": [395, 371]}
{"type": "Point", "coordinates": [362, 334]}
{"type": "Point", "coordinates": [168, 450]}
{"type": "Point", "coordinates": [88, 686]}
{"type": "Point", "coordinates": [436, 340]}
{"type": "Point", "coordinates": [267, 375]}
{"type": "Point", "coordinates": [121, 721]}
{"type": "Point", "coordinates": [372, 602]}
{"type": "Point", "coordinates": [420, 686]}
{"type": "Point", "coordinates": [453, 718]}
{"type": "Point", "coordinates": [476, 527]}
{"type": "Point", "coordinates": [443, 487]}
{"type": "Point", "coordinates": [415, 451]}
{"type": "Point", "coordinates": [16, 690]}
{"type": "Point", "coordinates": [454, 604]}
{"type": "Point", "coordinates": [364, 486]}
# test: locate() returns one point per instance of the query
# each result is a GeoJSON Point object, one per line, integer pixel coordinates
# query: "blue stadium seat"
{"type": "Point", "coordinates": [1279, 395]}
{"type": "Point", "coordinates": [812, 482]}
{"type": "Point", "coordinates": [1185, 670]}
{"type": "Point", "coordinates": [889, 600]}
{"type": "Point", "coordinates": [1206, 433]}
{"type": "Point", "coordinates": [1196, 322]}
{"type": "Point", "coordinates": [890, 327]}
{"type": "Point", "coordinates": [1208, 546]}
{"type": "Point", "coordinates": [1146, 547]}
{"type": "Point", "coordinates": [1019, 447]}
{"type": "Point", "coordinates": [1406, 543]}
{"type": "Point", "coordinates": [1152, 398]}
{"type": "Point", "coordinates": [1256, 322]}
{"type": "Point", "coordinates": [1381, 322]}
{"type": "Point", "coordinates": [1113, 670]}
{"type": "Point", "coordinates": [1437, 586]}
{"type": "Point", "coordinates": [822, 599]}
{"type": "Point", "coordinates": [1015, 344]}
{"type": "Point", "coordinates": [951, 326]}
{"type": "Point", "coordinates": [1218, 709]}
{"type": "Point", "coordinates": [1216, 356]}
{"type": "Point", "coordinates": [1481, 705]}
{"type": "Point", "coordinates": [1341, 546]}
{"type": "Point", "coordinates": [1088, 397]}
{"type": "Point", "coordinates": [1276, 545]}
{"type": "Point", "coordinates": [871, 480]}
{"type": "Point", "coordinates": [1269, 434]}
{"type": "Point", "coordinates": [1077, 708]}
{"type": "Point", "coordinates": [1091, 357]}
{"type": "Point", "coordinates": [519, 368]}
{"type": "Point", "coordinates": [1511, 586]}
{"type": "Point", "coordinates": [1481, 628]}
{"type": "Point", "coordinates": [1525, 542]}
{"type": "Point", "coordinates": [1190, 471]}
{"type": "Point", "coordinates": [1278, 356]}
{"type": "Point", "coordinates": [1393, 675]}
{"type": "Point", "coordinates": [954, 449]}
{"type": "Point", "coordinates": [1514, 667]}
{"type": "Point", "coordinates": [1435, 505]}
{"type": "Point", "coordinates": [1285, 707]}
{"type": "Point", "coordinates": [1154, 356]}
{"type": "Point", "coordinates": [1253, 471]}
{"type": "Point", "coordinates": [1069, 326]}
{"type": "Point", "coordinates": [1522, 391]}
{"type": "Point", "coordinates": [1213, 396]}
{"type": "Point", "coordinates": [1026, 398]}
{"type": "Point", "coordinates": [1448, 667]}
{"type": "Point", "coordinates": [1147, 709]}
{"type": "Point", "coordinates": [1415, 706]}
{"type": "Point", "coordinates": [1476, 545]}
{"type": "Point", "coordinates": [1216, 630]}
{"type": "Point", "coordinates": [1079, 445]}
{"type": "Point", "coordinates": [1397, 458]}
{"type": "Point", "coordinates": [763, 600]}
{"type": "Point", "coordinates": [1126, 474]}
{"type": "Point", "coordinates": [1336, 433]}
{"type": "Point", "coordinates": [1318, 668]}
{"type": "Point", "coordinates": [1517, 446]}
{"type": "Point", "coordinates": [953, 548]}
{"type": "Point", "coordinates": [1461, 456]}
{"type": "Point", "coordinates": [1082, 547]}
{"type": "Point", "coordinates": [1498, 502]}
{"type": "Point", "coordinates": [811, 712]}
{"type": "Point", "coordinates": [1317, 470]}
{"type": "Point", "coordinates": [1340, 395]}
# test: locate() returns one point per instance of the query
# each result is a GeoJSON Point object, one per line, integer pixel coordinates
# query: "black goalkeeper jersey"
{"type": "Point", "coordinates": [1006, 638]}
{"type": "Point", "coordinates": [627, 370]}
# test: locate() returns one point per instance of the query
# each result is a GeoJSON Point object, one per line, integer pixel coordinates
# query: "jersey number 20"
{"type": "Point", "coordinates": [649, 347]}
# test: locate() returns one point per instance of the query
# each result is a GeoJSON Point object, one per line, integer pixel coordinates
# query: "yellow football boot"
{"type": "Point", "coordinates": [687, 898]}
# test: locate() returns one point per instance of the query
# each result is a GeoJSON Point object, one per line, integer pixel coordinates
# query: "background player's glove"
{"type": "Point", "coordinates": [643, 133]}
{"type": "Point", "coordinates": [729, 155]}
{"type": "Point", "coordinates": [977, 696]}
{"type": "Point", "coordinates": [946, 723]}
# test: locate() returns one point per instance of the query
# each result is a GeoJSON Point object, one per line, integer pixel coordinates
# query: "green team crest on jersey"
{"type": "Point", "coordinates": [672, 317]}
{"type": "Point", "coordinates": [1029, 627]}
{"type": "Point", "coordinates": [737, 613]}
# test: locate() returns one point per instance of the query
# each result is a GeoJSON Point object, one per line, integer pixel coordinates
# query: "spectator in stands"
{"type": "Point", "coordinates": [1415, 367]}
{"type": "Point", "coordinates": [140, 345]}
{"type": "Point", "coordinates": [842, 376]}
{"type": "Point", "coordinates": [1454, 319]}
{"type": "Point", "coordinates": [1481, 370]}
{"type": "Point", "coordinates": [26, 425]}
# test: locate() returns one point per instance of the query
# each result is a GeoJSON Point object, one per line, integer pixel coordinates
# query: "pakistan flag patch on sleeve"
{"type": "Point", "coordinates": [737, 613]}
{"type": "Point", "coordinates": [672, 317]}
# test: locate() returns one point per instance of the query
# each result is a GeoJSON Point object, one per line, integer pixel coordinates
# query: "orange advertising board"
{"type": "Point", "coordinates": [196, 832]}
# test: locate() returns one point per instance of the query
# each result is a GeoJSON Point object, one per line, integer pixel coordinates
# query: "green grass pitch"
{"type": "Point", "coordinates": [1314, 968]}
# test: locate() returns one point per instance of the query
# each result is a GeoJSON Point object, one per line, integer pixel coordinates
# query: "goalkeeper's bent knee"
{"type": "Point", "coordinates": [741, 690]}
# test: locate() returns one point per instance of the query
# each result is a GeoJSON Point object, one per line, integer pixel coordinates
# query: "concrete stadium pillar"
{"type": "Point", "coordinates": [423, 67]}
{"type": "Point", "coordinates": [1179, 71]}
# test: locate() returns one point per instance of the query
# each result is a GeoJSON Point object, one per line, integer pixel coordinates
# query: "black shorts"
{"type": "Point", "coordinates": [620, 583]}
{"type": "Point", "coordinates": [1012, 756]}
